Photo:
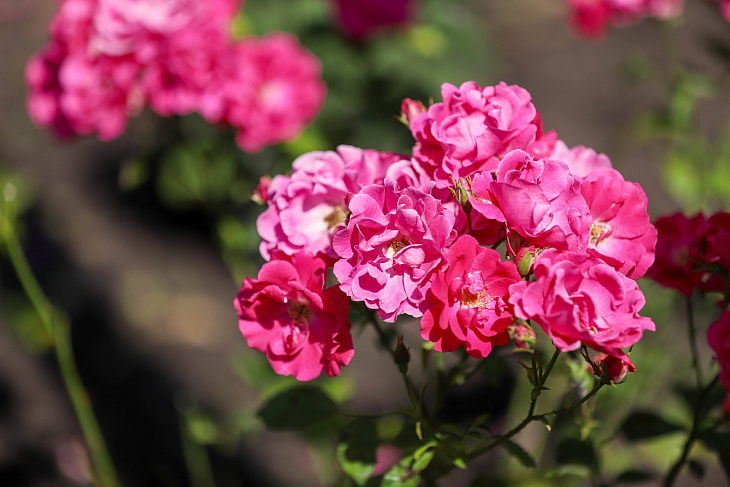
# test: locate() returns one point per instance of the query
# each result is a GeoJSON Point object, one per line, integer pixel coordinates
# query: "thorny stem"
{"type": "Point", "coordinates": [694, 433]}
{"type": "Point", "coordinates": [59, 331]}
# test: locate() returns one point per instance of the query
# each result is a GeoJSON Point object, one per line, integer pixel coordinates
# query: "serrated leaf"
{"type": "Point", "coordinates": [297, 408]}
{"type": "Point", "coordinates": [642, 425]}
{"type": "Point", "coordinates": [519, 453]}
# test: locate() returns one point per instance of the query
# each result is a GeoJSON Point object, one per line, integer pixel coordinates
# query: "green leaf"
{"type": "Point", "coordinates": [519, 453]}
{"type": "Point", "coordinates": [696, 469]}
{"type": "Point", "coordinates": [633, 477]}
{"type": "Point", "coordinates": [423, 460]}
{"type": "Point", "coordinates": [356, 454]}
{"type": "Point", "coordinates": [720, 443]}
{"type": "Point", "coordinates": [297, 409]}
{"type": "Point", "coordinates": [401, 475]}
{"type": "Point", "coordinates": [642, 425]}
{"type": "Point", "coordinates": [575, 452]}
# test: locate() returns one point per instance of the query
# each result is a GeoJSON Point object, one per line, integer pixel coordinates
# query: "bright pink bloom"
{"type": "Point", "coordinates": [361, 18]}
{"type": "Point", "coordinates": [469, 300]}
{"type": "Point", "coordinates": [621, 232]}
{"type": "Point", "coordinates": [590, 17]}
{"type": "Point", "coordinates": [581, 160]}
{"type": "Point", "coordinates": [275, 92]}
{"type": "Point", "coordinates": [539, 199]}
{"type": "Point", "coordinates": [578, 299]}
{"type": "Point", "coordinates": [678, 255]}
{"type": "Point", "coordinates": [287, 315]}
{"type": "Point", "coordinates": [473, 127]}
{"type": "Point", "coordinates": [718, 336]}
{"type": "Point", "coordinates": [391, 248]}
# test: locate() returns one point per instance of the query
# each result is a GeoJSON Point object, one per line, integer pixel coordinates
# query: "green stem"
{"type": "Point", "coordinates": [693, 343]}
{"type": "Point", "coordinates": [693, 435]}
{"type": "Point", "coordinates": [59, 332]}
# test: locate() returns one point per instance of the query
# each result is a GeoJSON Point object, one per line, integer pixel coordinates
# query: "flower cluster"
{"type": "Point", "coordinates": [591, 17]}
{"type": "Point", "coordinates": [107, 59]}
{"type": "Point", "coordinates": [420, 235]}
{"type": "Point", "coordinates": [360, 19]}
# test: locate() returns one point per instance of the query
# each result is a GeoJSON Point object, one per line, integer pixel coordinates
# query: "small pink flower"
{"type": "Point", "coordinates": [391, 248]}
{"type": "Point", "coordinates": [276, 90]}
{"type": "Point", "coordinates": [287, 315]}
{"type": "Point", "coordinates": [581, 160]}
{"type": "Point", "coordinates": [468, 300]}
{"type": "Point", "coordinates": [621, 232]}
{"type": "Point", "coordinates": [539, 200]}
{"type": "Point", "coordinates": [718, 337]}
{"type": "Point", "coordinates": [578, 299]}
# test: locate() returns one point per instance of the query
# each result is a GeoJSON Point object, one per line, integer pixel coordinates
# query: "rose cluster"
{"type": "Point", "coordinates": [420, 236]}
{"type": "Point", "coordinates": [693, 253]}
{"type": "Point", "coordinates": [107, 59]}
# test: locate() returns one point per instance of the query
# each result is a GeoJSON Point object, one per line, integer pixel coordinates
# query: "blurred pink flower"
{"type": "Point", "coordinates": [276, 90]}
{"type": "Point", "coordinates": [286, 314]}
{"type": "Point", "coordinates": [362, 18]}
{"type": "Point", "coordinates": [718, 337]}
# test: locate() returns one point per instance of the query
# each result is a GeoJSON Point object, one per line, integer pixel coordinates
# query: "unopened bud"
{"type": "Point", "coordinates": [525, 259]}
{"type": "Point", "coordinates": [401, 356]}
{"type": "Point", "coordinates": [260, 193]}
{"type": "Point", "coordinates": [614, 368]}
{"type": "Point", "coordinates": [523, 336]}
{"type": "Point", "coordinates": [461, 191]}
{"type": "Point", "coordinates": [410, 109]}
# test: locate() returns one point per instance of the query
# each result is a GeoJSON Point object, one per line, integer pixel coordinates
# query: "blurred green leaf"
{"type": "Point", "coordinates": [401, 475]}
{"type": "Point", "coordinates": [297, 408]}
{"type": "Point", "coordinates": [576, 452]}
{"type": "Point", "coordinates": [633, 477]}
{"type": "Point", "coordinates": [356, 454]}
{"type": "Point", "coordinates": [720, 443]}
{"type": "Point", "coordinates": [642, 425]}
{"type": "Point", "coordinates": [519, 453]}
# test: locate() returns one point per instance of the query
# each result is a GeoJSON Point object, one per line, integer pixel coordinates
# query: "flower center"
{"type": "Point", "coordinates": [599, 231]}
{"type": "Point", "coordinates": [395, 245]}
{"type": "Point", "coordinates": [337, 217]}
{"type": "Point", "coordinates": [470, 300]}
{"type": "Point", "coordinates": [300, 312]}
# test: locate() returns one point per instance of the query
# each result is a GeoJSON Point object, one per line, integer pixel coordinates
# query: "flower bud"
{"type": "Point", "coordinates": [614, 368]}
{"type": "Point", "coordinates": [410, 109]}
{"type": "Point", "coordinates": [401, 356]}
{"type": "Point", "coordinates": [525, 259]}
{"type": "Point", "coordinates": [259, 194]}
{"type": "Point", "coordinates": [523, 335]}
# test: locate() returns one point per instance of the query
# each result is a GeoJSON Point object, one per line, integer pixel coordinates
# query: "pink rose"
{"type": "Point", "coordinates": [391, 248]}
{"type": "Point", "coordinates": [469, 300]}
{"type": "Point", "coordinates": [287, 315]}
{"type": "Point", "coordinates": [276, 90]}
{"type": "Point", "coordinates": [539, 200]}
{"type": "Point", "coordinates": [718, 337]}
{"type": "Point", "coordinates": [621, 232]}
{"type": "Point", "coordinates": [714, 243]}
{"type": "Point", "coordinates": [581, 160]}
{"type": "Point", "coordinates": [578, 299]}
{"type": "Point", "coordinates": [473, 127]}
